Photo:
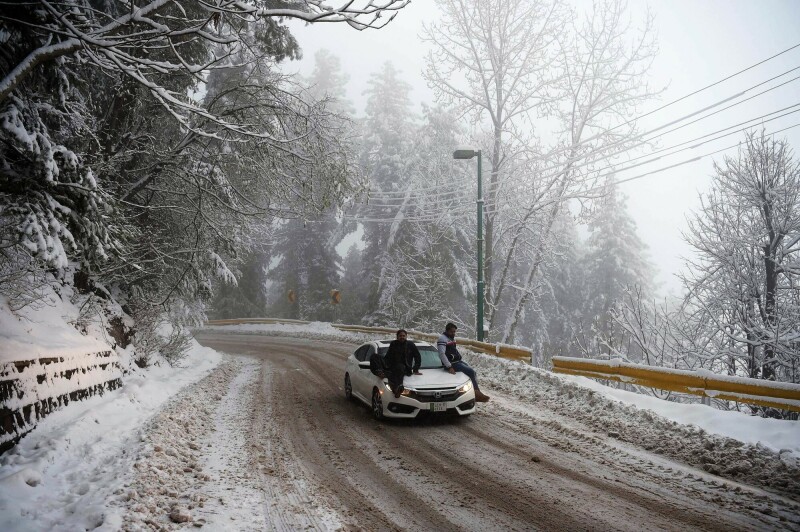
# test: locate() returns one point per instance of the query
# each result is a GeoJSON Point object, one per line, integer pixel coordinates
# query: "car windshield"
{"type": "Point", "coordinates": [428, 354]}
{"type": "Point", "coordinates": [430, 357]}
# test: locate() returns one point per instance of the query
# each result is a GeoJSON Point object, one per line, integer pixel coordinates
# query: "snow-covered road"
{"type": "Point", "coordinates": [267, 441]}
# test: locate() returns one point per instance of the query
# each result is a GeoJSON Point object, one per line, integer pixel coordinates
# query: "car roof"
{"type": "Point", "coordinates": [385, 343]}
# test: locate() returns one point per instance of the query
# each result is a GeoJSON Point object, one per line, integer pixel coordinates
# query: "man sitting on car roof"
{"type": "Point", "coordinates": [451, 359]}
{"type": "Point", "coordinates": [398, 361]}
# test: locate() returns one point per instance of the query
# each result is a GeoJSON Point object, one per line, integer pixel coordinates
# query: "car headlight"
{"type": "Point", "coordinates": [467, 386]}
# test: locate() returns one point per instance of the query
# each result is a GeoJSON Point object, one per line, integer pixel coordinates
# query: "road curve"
{"type": "Point", "coordinates": [501, 469]}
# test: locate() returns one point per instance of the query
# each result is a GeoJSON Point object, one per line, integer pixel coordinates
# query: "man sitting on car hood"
{"type": "Point", "coordinates": [451, 359]}
{"type": "Point", "coordinates": [398, 361]}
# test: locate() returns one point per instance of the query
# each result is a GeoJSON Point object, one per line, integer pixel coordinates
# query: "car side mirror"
{"type": "Point", "coordinates": [364, 364]}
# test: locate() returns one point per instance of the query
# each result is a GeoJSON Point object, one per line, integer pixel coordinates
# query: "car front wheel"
{"type": "Point", "coordinates": [377, 405]}
{"type": "Point", "coordinates": [348, 387]}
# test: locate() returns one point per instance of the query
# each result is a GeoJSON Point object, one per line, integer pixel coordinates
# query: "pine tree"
{"type": "Point", "coordinates": [386, 156]}
{"type": "Point", "coordinates": [309, 263]}
{"type": "Point", "coordinates": [353, 288]}
{"type": "Point", "coordinates": [430, 271]}
{"type": "Point", "coordinates": [553, 319]}
{"type": "Point", "coordinates": [308, 266]}
{"type": "Point", "coordinates": [247, 298]}
{"type": "Point", "coordinates": [615, 260]}
{"type": "Point", "coordinates": [329, 83]}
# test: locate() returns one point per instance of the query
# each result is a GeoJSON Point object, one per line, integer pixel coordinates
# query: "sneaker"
{"type": "Point", "coordinates": [481, 397]}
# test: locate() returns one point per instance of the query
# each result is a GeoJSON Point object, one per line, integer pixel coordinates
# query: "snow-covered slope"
{"type": "Point", "coordinates": [59, 475]}
{"type": "Point", "coordinates": [46, 329]}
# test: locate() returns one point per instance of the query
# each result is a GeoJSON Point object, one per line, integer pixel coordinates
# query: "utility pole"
{"type": "Point", "coordinates": [469, 154]}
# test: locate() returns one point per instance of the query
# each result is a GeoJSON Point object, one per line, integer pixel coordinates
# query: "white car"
{"type": "Point", "coordinates": [436, 390]}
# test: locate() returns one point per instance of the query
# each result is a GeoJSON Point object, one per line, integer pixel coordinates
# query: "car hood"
{"type": "Point", "coordinates": [435, 378]}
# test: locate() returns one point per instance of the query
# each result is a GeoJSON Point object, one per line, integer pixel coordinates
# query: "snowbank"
{"type": "Point", "coordinates": [774, 434]}
{"type": "Point", "coordinates": [315, 330]}
{"type": "Point", "coordinates": [60, 475]}
{"type": "Point", "coordinates": [45, 330]}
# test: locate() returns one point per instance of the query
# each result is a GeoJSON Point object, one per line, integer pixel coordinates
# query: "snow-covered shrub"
{"type": "Point", "coordinates": [156, 336]}
{"type": "Point", "coordinates": [23, 281]}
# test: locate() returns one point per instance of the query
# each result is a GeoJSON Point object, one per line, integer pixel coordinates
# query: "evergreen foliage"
{"type": "Point", "coordinates": [615, 261]}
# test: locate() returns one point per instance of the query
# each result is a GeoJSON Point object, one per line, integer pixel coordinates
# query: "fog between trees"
{"type": "Point", "coordinates": [167, 161]}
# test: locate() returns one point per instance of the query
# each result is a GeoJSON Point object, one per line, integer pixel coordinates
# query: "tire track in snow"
{"type": "Point", "coordinates": [394, 475]}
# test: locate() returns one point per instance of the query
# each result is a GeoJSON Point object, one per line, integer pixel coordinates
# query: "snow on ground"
{"type": "Point", "coordinates": [774, 434]}
{"type": "Point", "coordinates": [771, 462]}
{"type": "Point", "coordinates": [140, 457]}
{"type": "Point", "coordinates": [61, 474]}
{"type": "Point", "coordinates": [181, 475]}
{"type": "Point", "coordinates": [762, 452]}
{"type": "Point", "coordinates": [211, 459]}
{"type": "Point", "coordinates": [45, 329]}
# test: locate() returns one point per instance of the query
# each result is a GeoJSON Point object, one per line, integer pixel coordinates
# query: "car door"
{"type": "Point", "coordinates": [351, 368]}
{"type": "Point", "coordinates": [365, 376]}
{"type": "Point", "coordinates": [356, 372]}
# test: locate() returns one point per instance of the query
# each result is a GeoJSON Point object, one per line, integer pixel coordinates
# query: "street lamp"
{"type": "Point", "coordinates": [469, 154]}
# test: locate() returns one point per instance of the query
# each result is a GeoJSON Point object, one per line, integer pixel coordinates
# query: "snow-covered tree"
{"type": "Point", "coordinates": [550, 325]}
{"type": "Point", "coordinates": [615, 261]}
{"type": "Point", "coordinates": [354, 290]}
{"type": "Point", "coordinates": [493, 60]}
{"type": "Point", "coordinates": [307, 266]}
{"type": "Point", "coordinates": [247, 298]}
{"type": "Point", "coordinates": [111, 159]}
{"type": "Point", "coordinates": [506, 61]}
{"type": "Point", "coordinates": [429, 270]}
{"type": "Point", "coordinates": [743, 284]}
{"type": "Point", "coordinates": [328, 83]}
{"type": "Point", "coordinates": [146, 144]}
{"type": "Point", "coordinates": [386, 158]}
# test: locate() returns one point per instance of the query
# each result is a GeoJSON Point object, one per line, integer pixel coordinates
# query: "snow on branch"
{"type": "Point", "coordinates": [144, 42]}
{"type": "Point", "coordinates": [367, 16]}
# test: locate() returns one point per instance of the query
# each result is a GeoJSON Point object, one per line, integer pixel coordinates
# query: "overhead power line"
{"type": "Point", "coordinates": [379, 199]}
{"type": "Point", "coordinates": [381, 195]}
{"type": "Point", "coordinates": [671, 123]}
{"type": "Point", "coordinates": [634, 178]}
{"type": "Point", "coordinates": [573, 196]}
{"type": "Point", "coordinates": [694, 145]}
{"type": "Point", "coordinates": [693, 93]}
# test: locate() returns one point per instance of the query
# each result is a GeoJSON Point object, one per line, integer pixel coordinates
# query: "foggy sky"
{"type": "Point", "coordinates": [700, 42]}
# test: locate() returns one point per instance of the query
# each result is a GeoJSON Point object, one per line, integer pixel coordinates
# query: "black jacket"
{"type": "Point", "coordinates": [402, 358]}
{"type": "Point", "coordinates": [376, 364]}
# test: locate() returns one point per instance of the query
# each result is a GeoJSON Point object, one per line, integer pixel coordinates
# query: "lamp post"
{"type": "Point", "coordinates": [469, 154]}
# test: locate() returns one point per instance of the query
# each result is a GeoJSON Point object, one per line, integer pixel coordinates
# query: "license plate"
{"type": "Point", "coordinates": [438, 407]}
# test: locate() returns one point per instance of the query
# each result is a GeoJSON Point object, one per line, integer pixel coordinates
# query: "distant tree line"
{"type": "Point", "coordinates": [566, 272]}
{"type": "Point", "coordinates": [147, 147]}
{"type": "Point", "coordinates": [154, 156]}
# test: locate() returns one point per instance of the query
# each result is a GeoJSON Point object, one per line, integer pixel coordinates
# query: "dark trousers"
{"type": "Point", "coordinates": [395, 378]}
{"type": "Point", "coordinates": [464, 368]}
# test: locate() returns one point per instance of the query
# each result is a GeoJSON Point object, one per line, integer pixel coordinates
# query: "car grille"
{"type": "Point", "coordinates": [435, 396]}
